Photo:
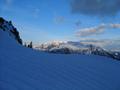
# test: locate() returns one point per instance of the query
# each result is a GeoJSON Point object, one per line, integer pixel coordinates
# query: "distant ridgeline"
{"type": "Point", "coordinates": [7, 26]}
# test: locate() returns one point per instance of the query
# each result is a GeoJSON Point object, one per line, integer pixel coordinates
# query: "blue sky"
{"type": "Point", "coordinates": [47, 20]}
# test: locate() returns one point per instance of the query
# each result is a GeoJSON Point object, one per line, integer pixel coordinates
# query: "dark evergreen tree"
{"type": "Point", "coordinates": [10, 22]}
{"type": "Point", "coordinates": [1, 20]}
{"type": "Point", "coordinates": [30, 45]}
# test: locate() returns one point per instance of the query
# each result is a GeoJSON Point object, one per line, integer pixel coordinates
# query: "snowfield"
{"type": "Point", "coordinates": [26, 69]}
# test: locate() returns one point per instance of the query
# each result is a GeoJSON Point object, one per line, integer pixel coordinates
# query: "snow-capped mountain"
{"type": "Point", "coordinates": [108, 44]}
{"type": "Point", "coordinates": [71, 47]}
{"type": "Point", "coordinates": [23, 68]}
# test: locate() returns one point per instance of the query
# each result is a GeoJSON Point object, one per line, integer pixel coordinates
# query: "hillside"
{"type": "Point", "coordinates": [26, 69]}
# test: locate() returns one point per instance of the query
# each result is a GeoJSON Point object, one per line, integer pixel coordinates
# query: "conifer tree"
{"type": "Point", "coordinates": [30, 45]}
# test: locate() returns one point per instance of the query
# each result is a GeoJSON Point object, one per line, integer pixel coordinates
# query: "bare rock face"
{"type": "Point", "coordinates": [8, 26]}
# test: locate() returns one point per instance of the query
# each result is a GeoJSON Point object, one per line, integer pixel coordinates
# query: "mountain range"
{"type": "Point", "coordinates": [71, 47]}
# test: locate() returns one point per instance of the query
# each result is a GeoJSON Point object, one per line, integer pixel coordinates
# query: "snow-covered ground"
{"type": "Point", "coordinates": [26, 69]}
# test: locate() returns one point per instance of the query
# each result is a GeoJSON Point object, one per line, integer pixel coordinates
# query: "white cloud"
{"type": "Point", "coordinates": [96, 30]}
{"type": "Point", "coordinates": [115, 26]}
{"type": "Point", "coordinates": [91, 31]}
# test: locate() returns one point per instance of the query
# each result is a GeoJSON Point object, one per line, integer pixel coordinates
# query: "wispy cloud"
{"type": "Point", "coordinates": [96, 30]}
{"type": "Point", "coordinates": [36, 12]}
{"type": "Point", "coordinates": [59, 19]}
{"type": "Point", "coordinates": [8, 2]}
{"type": "Point", "coordinates": [7, 5]}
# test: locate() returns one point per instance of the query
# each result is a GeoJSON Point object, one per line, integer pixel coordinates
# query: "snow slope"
{"type": "Point", "coordinates": [26, 69]}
